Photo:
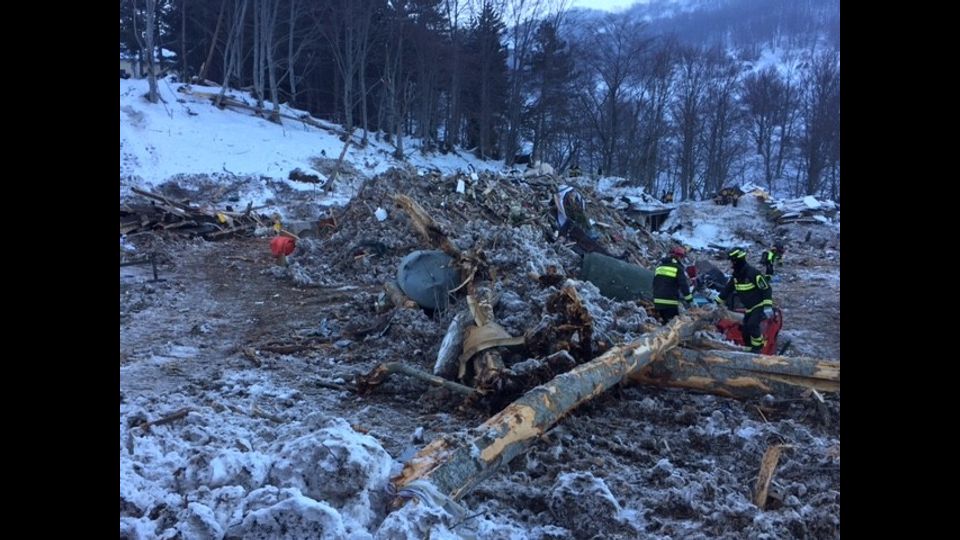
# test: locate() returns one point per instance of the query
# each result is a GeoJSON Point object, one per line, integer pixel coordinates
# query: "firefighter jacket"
{"type": "Point", "coordinates": [670, 283]}
{"type": "Point", "coordinates": [770, 257]}
{"type": "Point", "coordinates": [750, 286]}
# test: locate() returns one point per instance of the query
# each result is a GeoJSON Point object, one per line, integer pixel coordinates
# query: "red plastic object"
{"type": "Point", "coordinates": [282, 245]}
{"type": "Point", "coordinates": [770, 328]}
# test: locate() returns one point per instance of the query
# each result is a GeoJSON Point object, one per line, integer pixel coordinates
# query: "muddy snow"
{"type": "Point", "coordinates": [237, 421]}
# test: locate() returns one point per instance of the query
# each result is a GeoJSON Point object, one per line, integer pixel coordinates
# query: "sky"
{"type": "Point", "coordinates": [606, 5]}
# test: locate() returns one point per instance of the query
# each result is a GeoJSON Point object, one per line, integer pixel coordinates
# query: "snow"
{"type": "Point", "coordinates": [185, 134]}
{"type": "Point", "coordinates": [329, 479]}
{"type": "Point", "coordinates": [811, 202]}
{"type": "Point", "coordinates": [699, 224]}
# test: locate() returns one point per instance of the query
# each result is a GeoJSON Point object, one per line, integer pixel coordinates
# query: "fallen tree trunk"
{"type": "Point", "coordinates": [739, 374]}
{"type": "Point", "coordinates": [455, 471]}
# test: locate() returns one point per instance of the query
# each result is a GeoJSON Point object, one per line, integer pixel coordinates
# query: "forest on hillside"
{"type": "Point", "coordinates": [677, 97]}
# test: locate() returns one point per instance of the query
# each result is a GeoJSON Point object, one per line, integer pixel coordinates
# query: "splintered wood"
{"type": "Point", "coordinates": [164, 213]}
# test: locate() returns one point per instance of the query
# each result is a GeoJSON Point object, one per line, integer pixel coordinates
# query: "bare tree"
{"type": "Point", "coordinates": [552, 76]}
{"type": "Point", "coordinates": [722, 120]}
{"type": "Point", "coordinates": [787, 125]}
{"type": "Point", "coordinates": [147, 43]}
{"type": "Point", "coordinates": [233, 50]}
{"type": "Point", "coordinates": [487, 81]}
{"type": "Point", "coordinates": [291, 52]}
{"type": "Point", "coordinates": [521, 16]}
{"type": "Point", "coordinates": [427, 50]}
{"type": "Point", "coordinates": [821, 119]}
{"type": "Point", "coordinates": [613, 53]}
{"type": "Point", "coordinates": [264, 24]}
{"type": "Point", "coordinates": [298, 40]}
{"type": "Point", "coordinates": [346, 27]}
{"type": "Point", "coordinates": [764, 100]}
{"type": "Point", "coordinates": [183, 40]}
{"type": "Point", "coordinates": [454, 9]}
{"type": "Point", "coordinates": [213, 43]}
{"type": "Point", "coordinates": [687, 112]}
{"type": "Point", "coordinates": [257, 75]}
{"type": "Point", "coordinates": [654, 126]}
{"type": "Point", "coordinates": [395, 77]}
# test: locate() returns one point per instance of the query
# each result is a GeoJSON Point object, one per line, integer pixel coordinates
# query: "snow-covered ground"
{"type": "Point", "coordinates": [259, 448]}
{"type": "Point", "coordinates": [186, 135]}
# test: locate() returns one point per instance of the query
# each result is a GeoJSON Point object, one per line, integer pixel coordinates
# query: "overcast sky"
{"type": "Point", "coordinates": [606, 5]}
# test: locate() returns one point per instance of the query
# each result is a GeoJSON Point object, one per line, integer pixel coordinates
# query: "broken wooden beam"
{"type": "Point", "coordinates": [175, 205]}
{"type": "Point", "coordinates": [767, 467]}
{"type": "Point", "coordinates": [705, 341]}
{"type": "Point", "coordinates": [380, 373]}
{"type": "Point", "coordinates": [456, 471]}
{"type": "Point", "coordinates": [425, 225]}
{"type": "Point", "coordinates": [480, 343]}
{"type": "Point", "coordinates": [740, 374]}
{"type": "Point", "coordinates": [449, 352]}
{"type": "Point", "coordinates": [227, 232]}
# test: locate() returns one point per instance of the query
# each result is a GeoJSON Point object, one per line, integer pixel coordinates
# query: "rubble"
{"type": "Point", "coordinates": [807, 209]}
{"type": "Point", "coordinates": [639, 461]}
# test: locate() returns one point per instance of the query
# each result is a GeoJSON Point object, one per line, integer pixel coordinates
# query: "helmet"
{"type": "Point", "coordinates": [736, 254]}
{"type": "Point", "coordinates": [678, 252]}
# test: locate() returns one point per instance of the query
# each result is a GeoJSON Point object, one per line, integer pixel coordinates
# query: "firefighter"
{"type": "Point", "coordinates": [770, 257]}
{"type": "Point", "coordinates": [728, 196]}
{"type": "Point", "coordinates": [670, 285]}
{"type": "Point", "coordinates": [754, 292]}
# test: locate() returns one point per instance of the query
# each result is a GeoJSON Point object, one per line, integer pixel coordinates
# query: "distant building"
{"type": "Point", "coordinates": [138, 70]}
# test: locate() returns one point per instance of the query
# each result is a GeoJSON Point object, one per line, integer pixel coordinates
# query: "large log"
{"type": "Point", "coordinates": [739, 374]}
{"type": "Point", "coordinates": [454, 471]}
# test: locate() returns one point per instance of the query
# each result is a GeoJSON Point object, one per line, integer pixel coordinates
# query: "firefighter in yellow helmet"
{"type": "Point", "coordinates": [754, 292]}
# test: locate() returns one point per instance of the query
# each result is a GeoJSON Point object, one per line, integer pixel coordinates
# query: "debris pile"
{"type": "Point", "coordinates": [807, 209]}
{"type": "Point", "coordinates": [492, 390]}
{"type": "Point", "coordinates": [166, 214]}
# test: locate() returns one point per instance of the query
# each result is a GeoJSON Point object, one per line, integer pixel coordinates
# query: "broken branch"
{"type": "Point", "coordinates": [365, 383]}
